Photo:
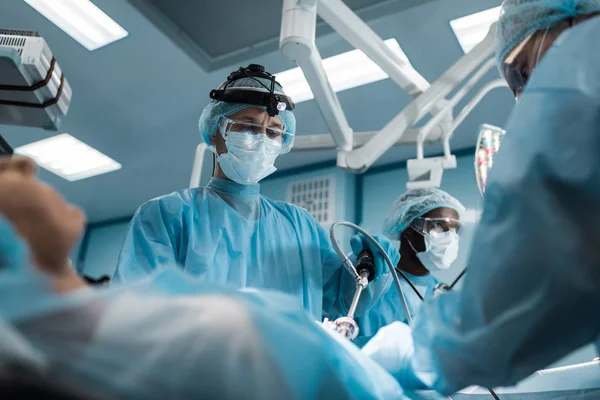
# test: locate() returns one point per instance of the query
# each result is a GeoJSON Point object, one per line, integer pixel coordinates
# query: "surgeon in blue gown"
{"type": "Point", "coordinates": [426, 222]}
{"type": "Point", "coordinates": [532, 295]}
{"type": "Point", "coordinates": [227, 232]}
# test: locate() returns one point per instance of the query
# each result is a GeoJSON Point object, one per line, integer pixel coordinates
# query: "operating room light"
{"type": "Point", "coordinates": [344, 71]}
{"type": "Point", "coordinates": [81, 20]}
{"type": "Point", "coordinates": [472, 29]}
{"type": "Point", "coordinates": [68, 157]}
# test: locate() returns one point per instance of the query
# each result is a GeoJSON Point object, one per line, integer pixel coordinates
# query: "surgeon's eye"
{"type": "Point", "coordinates": [437, 227]}
{"type": "Point", "coordinates": [441, 226]}
{"type": "Point", "coordinates": [275, 134]}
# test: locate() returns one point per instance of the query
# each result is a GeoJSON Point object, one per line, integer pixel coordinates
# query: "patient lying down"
{"type": "Point", "coordinates": [150, 340]}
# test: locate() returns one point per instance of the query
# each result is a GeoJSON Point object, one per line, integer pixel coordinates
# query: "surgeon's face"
{"type": "Point", "coordinates": [417, 239]}
{"type": "Point", "coordinates": [520, 63]}
{"type": "Point", "coordinates": [253, 115]}
{"type": "Point", "coordinates": [522, 60]}
{"type": "Point", "coordinates": [39, 214]}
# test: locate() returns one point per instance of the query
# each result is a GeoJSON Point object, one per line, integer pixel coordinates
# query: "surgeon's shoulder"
{"type": "Point", "coordinates": [171, 203]}
{"type": "Point", "coordinates": [295, 212]}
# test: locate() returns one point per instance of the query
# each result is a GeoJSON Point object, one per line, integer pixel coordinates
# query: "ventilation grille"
{"type": "Point", "coordinates": [17, 42]}
{"type": "Point", "coordinates": [12, 41]}
{"type": "Point", "coordinates": [16, 32]}
{"type": "Point", "coordinates": [316, 196]}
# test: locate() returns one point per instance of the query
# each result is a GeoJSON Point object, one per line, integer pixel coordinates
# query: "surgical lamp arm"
{"type": "Point", "coordinates": [469, 108]}
{"type": "Point", "coordinates": [297, 43]}
{"type": "Point", "coordinates": [198, 168]}
{"type": "Point", "coordinates": [460, 94]}
{"type": "Point", "coordinates": [361, 159]}
{"type": "Point", "coordinates": [356, 32]}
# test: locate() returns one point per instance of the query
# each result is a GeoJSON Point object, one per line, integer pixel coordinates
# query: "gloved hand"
{"type": "Point", "coordinates": [392, 348]}
{"type": "Point", "coordinates": [360, 243]}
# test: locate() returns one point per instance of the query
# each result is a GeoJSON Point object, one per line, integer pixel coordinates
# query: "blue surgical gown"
{"type": "Point", "coordinates": [532, 294]}
{"type": "Point", "coordinates": [389, 308]}
{"type": "Point", "coordinates": [227, 233]}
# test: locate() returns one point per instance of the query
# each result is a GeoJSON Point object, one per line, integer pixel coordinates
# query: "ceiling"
{"type": "Point", "coordinates": [208, 33]}
{"type": "Point", "coordinates": [138, 100]}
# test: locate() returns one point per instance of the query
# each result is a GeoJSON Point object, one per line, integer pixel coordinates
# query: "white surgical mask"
{"type": "Point", "coordinates": [249, 158]}
{"type": "Point", "coordinates": [441, 250]}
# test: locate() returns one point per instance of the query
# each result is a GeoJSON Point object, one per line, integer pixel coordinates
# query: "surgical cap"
{"type": "Point", "coordinates": [13, 251]}
{"type": "Point", "coordinates": [414, 204]}
{"type": "Point", "coordinates": [520, 18]}
{"type": "Point", "coordinates": [216, 109]}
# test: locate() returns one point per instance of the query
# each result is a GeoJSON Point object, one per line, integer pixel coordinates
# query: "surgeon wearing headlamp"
{"type": "Point", "coordinates": [227, 232]}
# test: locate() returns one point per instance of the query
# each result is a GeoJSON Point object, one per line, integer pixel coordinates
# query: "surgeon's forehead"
{"type": "Point", "coordinates": [257, 115]}
{"type": "Point", "coordinates": [442, 212]}
{"type": "Point", "coordinates": [250, 112]}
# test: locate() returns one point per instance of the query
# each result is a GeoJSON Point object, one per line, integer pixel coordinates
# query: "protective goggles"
{"type": "Point", "coordinates": [515, 70]}
{"type": "Point", "coordinates": [278, 139]}
{"type": "Point", "coordinates": [439, 225]}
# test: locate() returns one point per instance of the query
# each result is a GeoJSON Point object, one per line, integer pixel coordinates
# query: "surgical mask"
{"type": "Point", "coordinates": [441, 250]}
{"type": "Point", "coordinates": [250, 157]}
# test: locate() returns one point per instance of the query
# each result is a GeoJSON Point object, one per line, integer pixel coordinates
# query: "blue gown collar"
{"type": "Point", "coordinates": [233, 188]}
{"type": "Point", "coordinates": [419, 280]}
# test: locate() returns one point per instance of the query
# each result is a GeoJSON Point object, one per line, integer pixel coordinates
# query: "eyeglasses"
{"type": "Point", "coordinates": [286, 139]}
{"type": "Point", "coordinates": [515, 70]}
{"type": "Point", "coordinates": [516, 78]}
{"type": "Point", "coordinates": [438, 225]}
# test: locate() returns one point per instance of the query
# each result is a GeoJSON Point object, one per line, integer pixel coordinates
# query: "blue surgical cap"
{"type": "Point", "coordinates": [520, 18]}
{"type": "Point", "coordinates": [211, 114]}
{"type": "Point", "coordinates": [414, 204]}
{"type": "Point", "coordinates": [13, 251]}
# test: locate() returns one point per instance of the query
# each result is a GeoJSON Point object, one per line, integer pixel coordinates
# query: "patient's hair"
{"type": "Point", "coordinates": [103, 280]}
{"type": "Point", "coordinates": [17, 382]}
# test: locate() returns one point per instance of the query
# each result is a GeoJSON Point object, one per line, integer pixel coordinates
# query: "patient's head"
{"type": "Point", "coordinates": [49, 225]}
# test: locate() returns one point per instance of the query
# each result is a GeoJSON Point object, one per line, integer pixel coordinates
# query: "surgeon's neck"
{"type": "Point", "coordinates": [409, 262]}
{"type": "Point", "coordinates": [218, 173]}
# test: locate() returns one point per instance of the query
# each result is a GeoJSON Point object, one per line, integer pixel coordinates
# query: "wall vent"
{"type": "Point", "coordinates": [317, 196]}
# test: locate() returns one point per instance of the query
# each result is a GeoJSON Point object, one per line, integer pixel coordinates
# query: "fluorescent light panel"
{"type": "Point", "coordinates": [68, 157]}
{"type": "Point", "coordinates": [81, 20]}
{"type": "Point", "coordinates": [344, 71]}
{"type": "Point", "coordinates": [472, 29]}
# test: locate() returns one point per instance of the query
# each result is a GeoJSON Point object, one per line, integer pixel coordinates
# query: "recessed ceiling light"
{"type": "Point", "coordinates": [472, 29]}
{"type": "Point", "coordinates": [68, 157]}
{"type": "Point", "coordinates": [344, 71]}
{"type": "Point", "coordinates": [81, 20]}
